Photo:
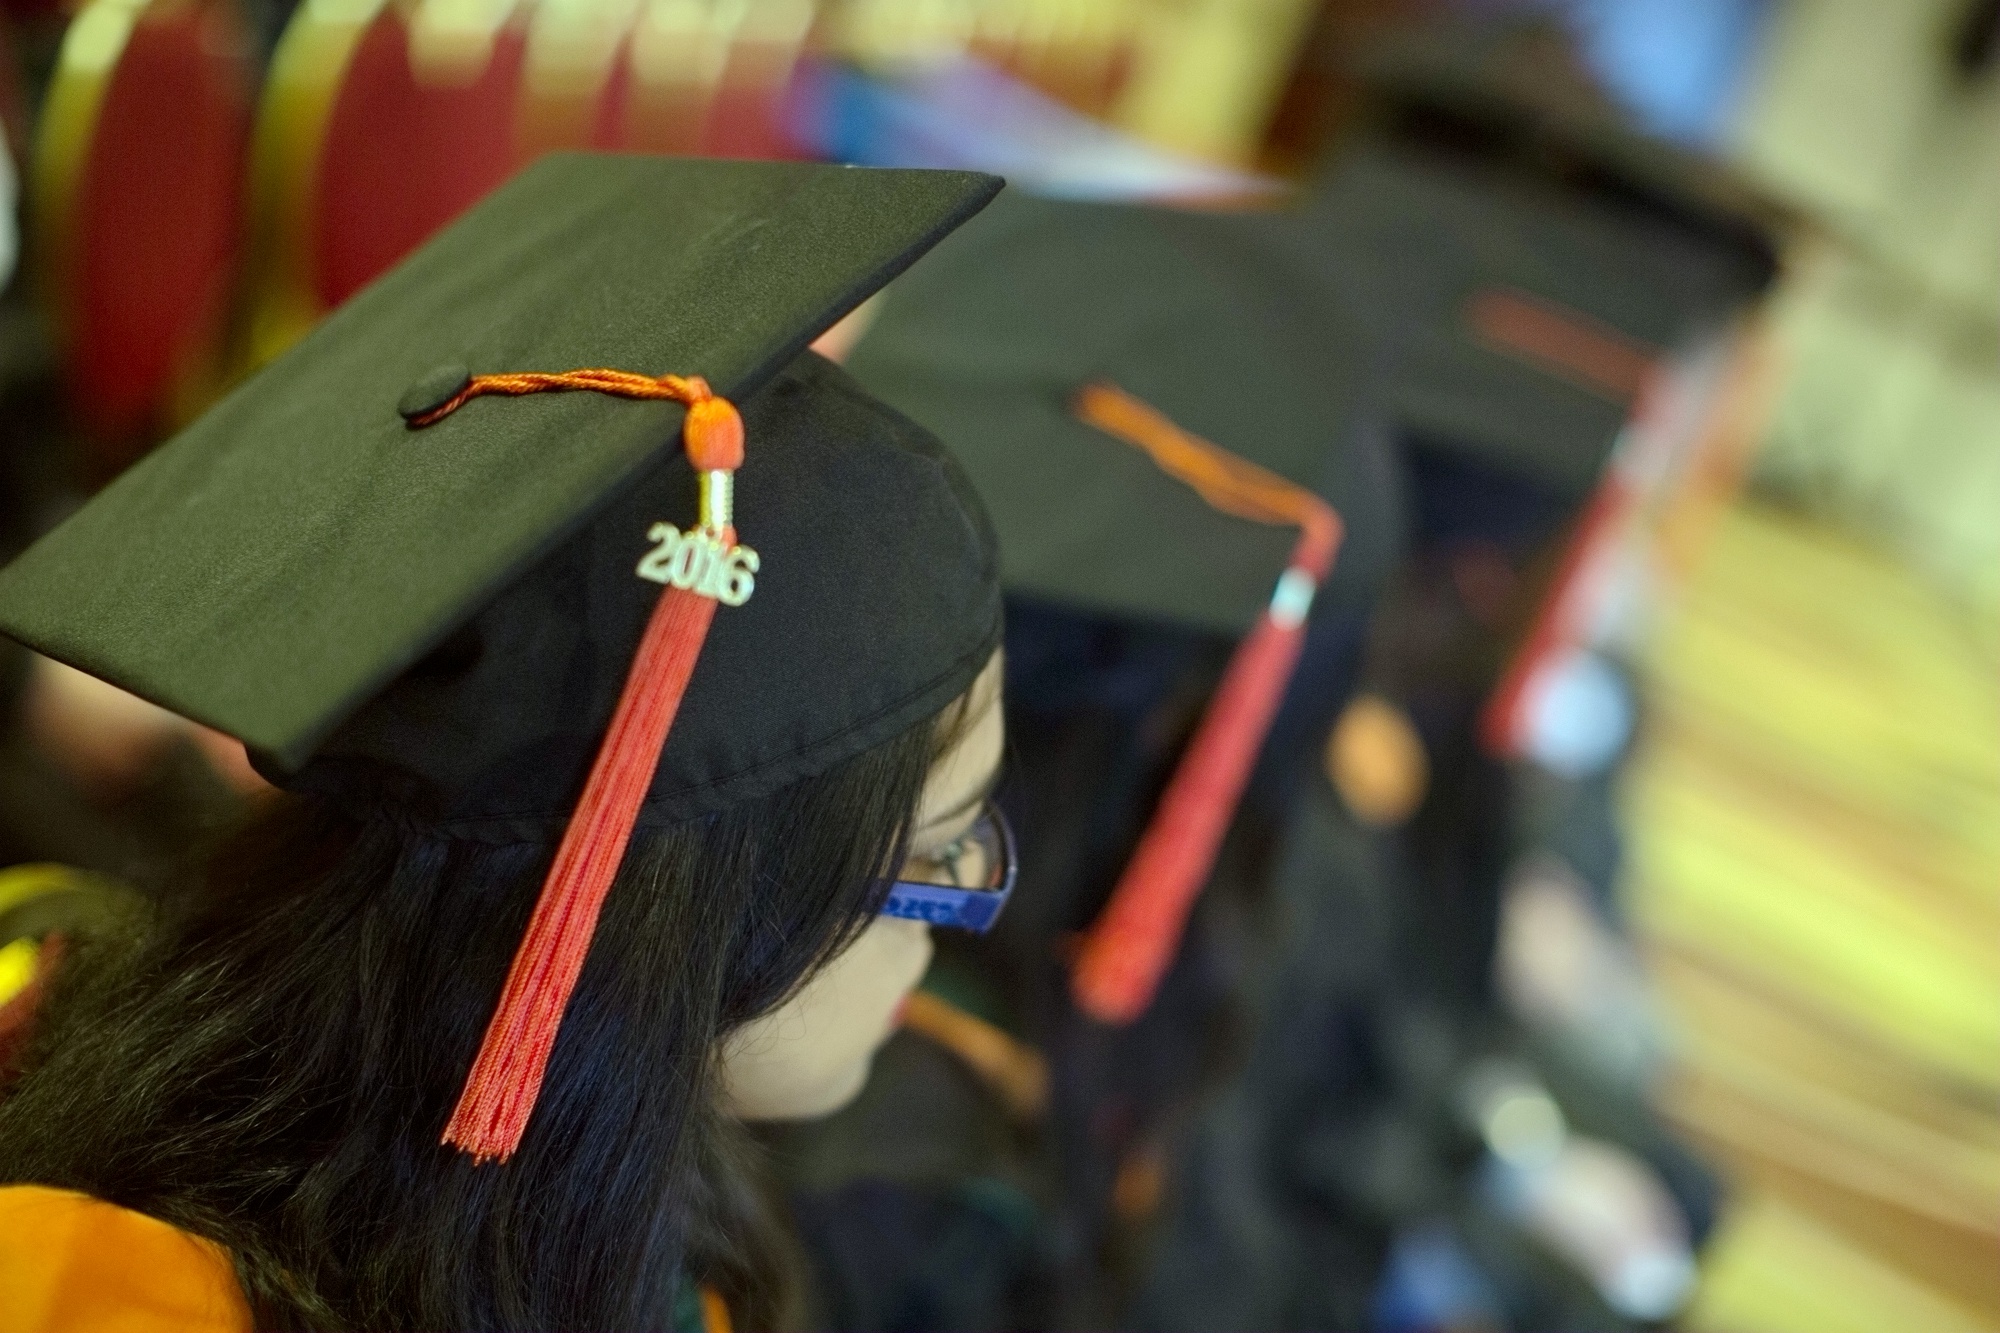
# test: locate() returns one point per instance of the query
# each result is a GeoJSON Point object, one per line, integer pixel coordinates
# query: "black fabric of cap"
{"type": "Point", "coordinates": [1516, 87]}
{"type": "Point", "coordinates": [441, 620]}
{"type": "Point", "coordinates": [1412, 234]}
{"type": "Point", "coordinates": [1199, 316]}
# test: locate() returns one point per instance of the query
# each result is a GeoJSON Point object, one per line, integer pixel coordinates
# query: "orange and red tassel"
{"type": "Point", "coordinates": [1127, 950]}
{"type": "Point", "coordinates": [506, 1076]}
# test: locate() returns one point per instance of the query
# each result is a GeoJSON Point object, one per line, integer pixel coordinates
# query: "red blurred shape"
{"type": "Point", "coordinates": [407, 151]}
{"type": "Point", "coordinates": [747, 117]}
{"type": "Point", "coordinates": [379, 128]}
{"type": "Point", "coordinates": [141, 174]}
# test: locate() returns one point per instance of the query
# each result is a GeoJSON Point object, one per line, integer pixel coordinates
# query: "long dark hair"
{"type": "Point", "coordinates": [269, 1060]}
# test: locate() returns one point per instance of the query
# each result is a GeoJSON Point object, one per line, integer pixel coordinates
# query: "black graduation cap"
{"type": "Point", "coordinates": [1525, 313]}
{"type": "Point", "coordinates": [1153, 405]}
{"type": "Point", "coordinates": [399, 586]}
{"type": "Point", "coordinates": [1224, 323]}
{"type": "Point", "coordinates": [1516, 88]}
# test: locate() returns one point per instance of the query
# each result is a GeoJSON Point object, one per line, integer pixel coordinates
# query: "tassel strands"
{"type": "Point", "coordinates": [1128, 949]}
{"type": "Point", "coordinates": [506, 1076]}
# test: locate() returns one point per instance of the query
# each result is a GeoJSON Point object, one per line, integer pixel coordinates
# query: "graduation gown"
{"type": "Point", "coordinates": [70, 1263]}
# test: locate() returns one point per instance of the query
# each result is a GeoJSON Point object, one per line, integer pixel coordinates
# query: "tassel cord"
{"type": "Point", "coordinates": [618, 383]}
{"type": "Point", "coordinates": [505, 1080]}
{"type": "Point", "coordinates": [506, 1076]}
{"type": "Point", "coordinates": [1128, 949]}
{"type": "Point", "coordinates": [1130, 946]}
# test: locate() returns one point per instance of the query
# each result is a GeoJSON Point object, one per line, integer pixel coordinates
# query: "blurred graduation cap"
{"type": "Point", "coordinates": [1153, 406]}
{"type": "Point", "coordinates": [1527, 318]}
{"type": "Point", "coordinates": [1517, 89]}
{"type": "Point", "coordinates": [1532, 254]}
{"type": "Point", "coordinates": [416, 562]}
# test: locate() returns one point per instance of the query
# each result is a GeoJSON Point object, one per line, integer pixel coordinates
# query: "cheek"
{"type": "Point", "coordinates": [810, 1055]}
{"type": "Point", "coordinates": [905, 949]}
{"type": "Point", "coordinates": [867, 984]}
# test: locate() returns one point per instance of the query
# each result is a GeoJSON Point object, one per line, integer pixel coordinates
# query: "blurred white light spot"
{"type": "Point", "coordinates": [1651, 1284]}
{"type": "Point", "coordinates": [1579, 715]}
{"type": "Point", "coordinates": [1524, 1128]}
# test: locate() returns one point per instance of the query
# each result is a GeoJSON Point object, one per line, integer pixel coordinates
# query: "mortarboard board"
{"type": "Point", "coordinates": [1115, 379]}
{"type": "Point", "coordinates": [452, 624]}
{"type": "Point", "coordinates": [1524, 313]}
{"type": "Point", "coordinates": [1217, 321]}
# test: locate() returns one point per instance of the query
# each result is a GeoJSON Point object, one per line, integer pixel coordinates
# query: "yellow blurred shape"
{"type": "Point", "coordinates": [1376, 761]}
{"type": "Point", "coordinates": [1815, 877]}
{"type": "Point", "coordinates": [451, 41]}
{"type": "Point", "coordinates": [17, 968]}
{"type": "Point", "coordinates": [1822, 802]}
{"type": "Point", "coordinates": [20, 884]}
{"type": "Point", "coordinates": [1776, 1270]}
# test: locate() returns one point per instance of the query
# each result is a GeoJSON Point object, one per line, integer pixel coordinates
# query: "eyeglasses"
{"type": "Point", "coordinates": [962, 886]}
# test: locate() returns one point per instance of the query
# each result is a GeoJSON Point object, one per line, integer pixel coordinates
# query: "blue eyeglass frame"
{"type": "Point", "coordinates": [959, 909]}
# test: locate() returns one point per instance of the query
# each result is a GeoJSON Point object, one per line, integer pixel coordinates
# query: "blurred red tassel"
{"type": "Point", "coordinates": [1128, 949]}
{"type": "Point", "coordinates": [1133, 941]}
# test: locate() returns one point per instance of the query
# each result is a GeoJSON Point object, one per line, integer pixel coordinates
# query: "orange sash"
{"type": "Point", "coordinates": [73, 1264]}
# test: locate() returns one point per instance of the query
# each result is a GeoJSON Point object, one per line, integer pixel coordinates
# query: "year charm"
{"type": "Point", "coordinates": [696, 562]}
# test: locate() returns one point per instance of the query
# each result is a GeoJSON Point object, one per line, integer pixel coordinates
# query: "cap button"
{"type": "Point", "coordinates": [433, 391]}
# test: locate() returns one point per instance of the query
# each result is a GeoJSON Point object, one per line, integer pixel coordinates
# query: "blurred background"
{"type": "Point", "coordinates": [1621, 947]}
